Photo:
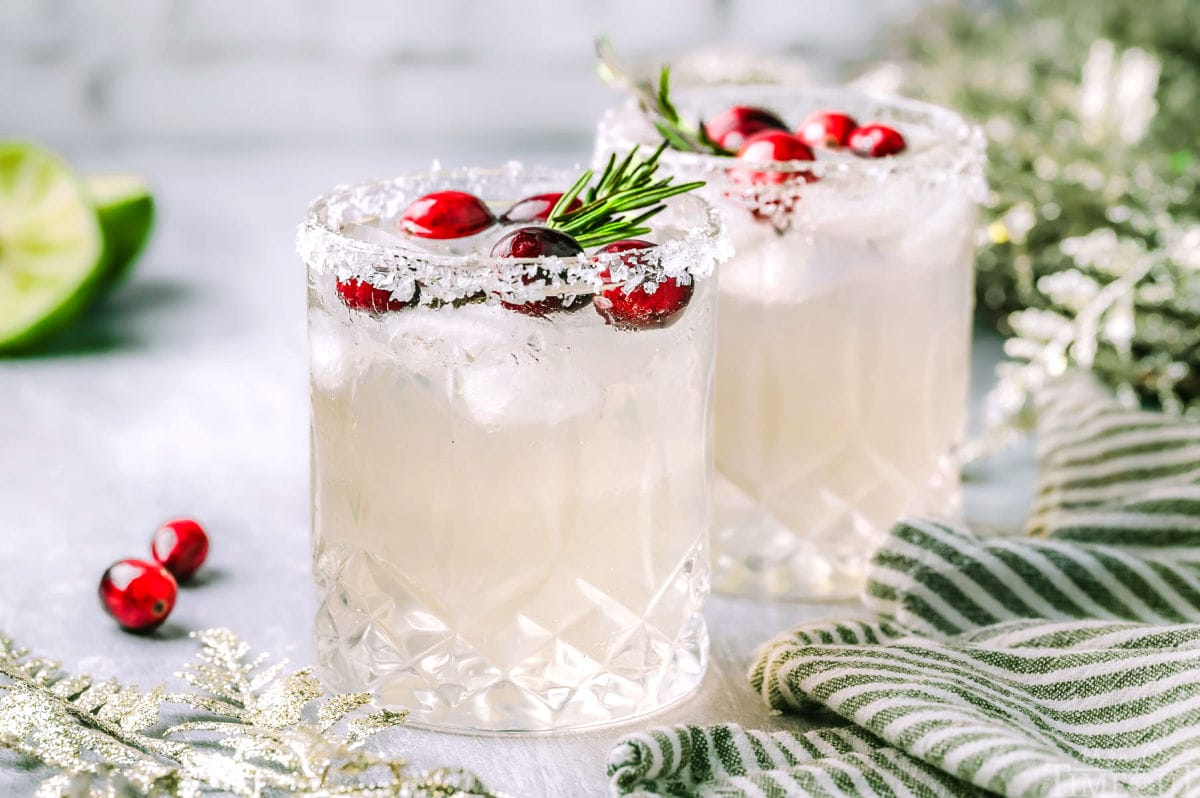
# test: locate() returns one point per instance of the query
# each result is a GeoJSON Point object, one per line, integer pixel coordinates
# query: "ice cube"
{"type": "Point", "coordinates": [457, 335]}
{"type": "Point", "coordinates": [799, 267]}
{"type": "Point", "coordinates": [497, 366]}
{"type": "Point", "coordinates": [527, 392]}
{"type": "Point", "coordinates": [478, 244]}
{"type": "Point", "coordinates": [331, 350]}
{"type": "Point", "coordinates": [373, 232]}
{"type": "Point", "coordinates": [387, 232]}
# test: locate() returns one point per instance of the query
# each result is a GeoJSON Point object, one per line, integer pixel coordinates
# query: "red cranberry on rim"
{"type": "Point", "coordinates": [876, 141]}
{"type": "Point", "coordinates": [536, 208]}
{"type": "Point", "coordinates": [138, 594]}
{"type": "Point", "coordinates": [771, 146]}
{"type": "Point", "coordinates": [827, 129]}
{"type": "Point", "coordinates": [361, 295]}
{"type": "Point", "coordinates": [180, 546]}
{"type": "Point", "coordinates": [538, 242]}
{"type": "Point", "coordinates": [640, 309]}
{"type": "Point", "coordinates": [734, 125]}
{"type": "Point", "coordinates": [446, 214]}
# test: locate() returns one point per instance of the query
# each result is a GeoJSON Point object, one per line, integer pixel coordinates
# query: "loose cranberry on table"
{"type": "Point", "coordinates": [640, 309]}
{"type": "Point", "coordinates": [361, 295]}
{"type": "Point", "coordinates": [180, 546]}
{"type": "Point", "coordinates": [876, 141]}
{"type": "Point", "coordinates": [733, 126]}
{"type": "Point", "coordinates": [138, 594]}
{"type": "Point", "coordinates": [771, 146]}
{"type": "Point", "coordinates": [446, 214]}
{"type": "Point", "coordinates": [827, 129]}
{"type": "Point", "coordinates": [536, 208]}
{"type": "Point", "coordinates": [538, 242]}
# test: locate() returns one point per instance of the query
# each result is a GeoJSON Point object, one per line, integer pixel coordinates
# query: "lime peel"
{"type": "Point", "coordinates": [125, 208]}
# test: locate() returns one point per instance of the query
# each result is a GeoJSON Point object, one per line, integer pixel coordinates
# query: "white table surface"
{"type": "Point", "coordinates": [186, 395]}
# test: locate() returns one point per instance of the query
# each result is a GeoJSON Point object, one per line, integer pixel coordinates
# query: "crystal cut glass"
{"type": "Point", "coordinates": [844, 347]}
{"type": "Point", "coordinates": [510, 512]}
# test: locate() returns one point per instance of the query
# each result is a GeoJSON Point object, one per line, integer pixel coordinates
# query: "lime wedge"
{"type": "Point", "coordinates": [126, 210]}
{"type": "Point", "coordinates": [52, 254]}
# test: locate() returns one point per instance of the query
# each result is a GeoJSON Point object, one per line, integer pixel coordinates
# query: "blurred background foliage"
{"type": "Point", "coordinates": [1091, 254]}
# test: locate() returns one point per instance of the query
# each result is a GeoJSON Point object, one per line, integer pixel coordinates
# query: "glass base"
{"type": "Point", "coordinates": [607, 663]}
{"type": "Point", "coordinates": [756, 555]}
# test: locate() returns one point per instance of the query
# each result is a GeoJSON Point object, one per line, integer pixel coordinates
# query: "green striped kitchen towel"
{"type": "Point", "coordinates": [1063, 664]}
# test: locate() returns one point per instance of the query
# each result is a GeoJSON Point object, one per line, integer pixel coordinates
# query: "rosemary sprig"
{"type": "Point", "coordinates": [656, 102]}
{"type": "Point", "coordinates": [624, 186]}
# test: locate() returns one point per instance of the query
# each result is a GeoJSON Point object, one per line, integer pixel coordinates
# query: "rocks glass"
{"type": "Point", "coordinates": [845, 319]}
{"type": "Point", "coordinates": [510, 506]}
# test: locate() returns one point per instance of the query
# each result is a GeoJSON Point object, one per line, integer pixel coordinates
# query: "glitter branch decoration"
{"type": "Point", "coordinates": [1091, 251]}
{"type": "Point", "coordinates": [261, 732]}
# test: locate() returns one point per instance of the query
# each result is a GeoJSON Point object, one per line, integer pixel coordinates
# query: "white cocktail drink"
{"type": "Point", "coordinates": [510, 509]}
{"type": "Point", "coordinates": [843, 354]}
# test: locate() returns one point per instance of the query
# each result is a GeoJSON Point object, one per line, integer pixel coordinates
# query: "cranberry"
{"type": "Point", "coordinates": [875, 141]}
{"type": "Point", "coordinates": [733, 126]}
{"type": "Point", "coordinates": [639, 309]}
{"type": "Point", "coordinates": [361, 295]}
{"type": "Point", "coordinates": [537, 242]}
{"type": "Point", "coordinates": [446, 214]}
{"type": "Point", "coordinates": [536, 208]}
{"type": "Point", "coordinates": [771, 146]}
{"type": "Point", "coordinates": [139, 594]}
{"type": "Point", "coordinates": [181, 547]}
{"type": "Point", "coordinates": [827, 129]}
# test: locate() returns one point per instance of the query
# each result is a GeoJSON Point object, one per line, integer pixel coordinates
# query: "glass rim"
{"type": "Point", "coordinates": [324, 245]}
{"type": "Point", "coordinates": [958, 153]}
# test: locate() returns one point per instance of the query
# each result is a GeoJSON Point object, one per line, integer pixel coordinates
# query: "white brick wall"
{"type": "Point", "coordinates": [233, 71]}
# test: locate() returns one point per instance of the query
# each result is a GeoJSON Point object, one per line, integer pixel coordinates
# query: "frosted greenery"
{"type": "Point", "coordinates": [1092, 245]}
{"type": "Point", "coordinates": [245, 728]}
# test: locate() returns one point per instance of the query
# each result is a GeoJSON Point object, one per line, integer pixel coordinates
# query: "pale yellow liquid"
{"type": "Point", "coordinates": [842, 380]}
{"type": "Point", "coordinates": [510, 513]}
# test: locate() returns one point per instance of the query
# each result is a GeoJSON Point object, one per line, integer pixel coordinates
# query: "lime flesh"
{"type": "Point", "coordinates": [52, 254]}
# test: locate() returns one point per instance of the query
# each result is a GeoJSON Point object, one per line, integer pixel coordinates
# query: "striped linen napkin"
{"type": "Point", "coordinates": [1062, 664]}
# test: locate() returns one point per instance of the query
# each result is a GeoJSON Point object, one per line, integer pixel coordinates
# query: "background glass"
{"type": "Point", "coordinates": [843, 360]}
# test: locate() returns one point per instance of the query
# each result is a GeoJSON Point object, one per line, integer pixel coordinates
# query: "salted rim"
{"type": "Point", "coordinates": [958, 155]}
{"type": "Point", "coordinates": [447, 277]}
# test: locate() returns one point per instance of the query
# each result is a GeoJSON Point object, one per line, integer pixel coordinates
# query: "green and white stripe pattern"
{"type": "Point", "coordinates": [1066, 664]}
